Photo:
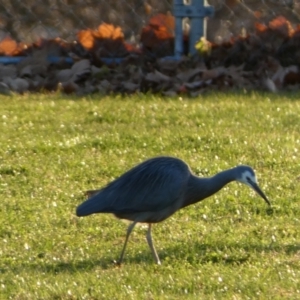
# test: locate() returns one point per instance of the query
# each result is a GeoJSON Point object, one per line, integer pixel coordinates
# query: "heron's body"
{"type": "Point", "coordinates": [155, 189]}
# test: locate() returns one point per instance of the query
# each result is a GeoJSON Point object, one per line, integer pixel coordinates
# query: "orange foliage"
{"type": "Point", "coordinates": [282, 25]}
{"type": "Point", "coordinates": [260, 27]}
{"type": "Point", "coordinates": [104, 31]}
{"type": "Point", "coordinates": [162, 22]}
{"type": "Point", "coordinates": [86, 38]}
{"type": "Point", "coordinates": [107, 31]}
{"type": "Point", "coordinates": [8, 46]}
{"type": "Point", "coordinates": [257, 14]}
{"type": "Point", "coordinates": [160, 28]}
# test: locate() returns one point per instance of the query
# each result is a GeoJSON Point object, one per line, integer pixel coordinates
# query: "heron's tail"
{"type": "Point", "coordinates": [91, 193]}
{"type": "Point", "coordinates": [91, 206]}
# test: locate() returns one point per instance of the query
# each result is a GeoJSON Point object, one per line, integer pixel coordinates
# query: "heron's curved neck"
{"type": "Point", "coordinates": [201, 188]}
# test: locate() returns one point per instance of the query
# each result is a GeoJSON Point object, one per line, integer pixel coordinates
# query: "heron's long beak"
{"type": "Point", "coordinates": [259, 191]}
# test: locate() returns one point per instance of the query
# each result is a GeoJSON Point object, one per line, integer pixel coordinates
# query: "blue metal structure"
{"type": "Point", "coordinates": [196, 11]}
{"type": "Point", "coordinates": [6, 60]}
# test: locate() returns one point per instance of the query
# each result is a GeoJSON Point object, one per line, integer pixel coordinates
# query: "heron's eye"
{"type": "Point", "coordinates": [248, 179]}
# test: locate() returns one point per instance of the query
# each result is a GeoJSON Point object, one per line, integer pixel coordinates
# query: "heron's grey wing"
{"type": "Point", "coordinates": [151, 186]}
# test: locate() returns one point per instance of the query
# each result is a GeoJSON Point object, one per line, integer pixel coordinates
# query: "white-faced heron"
{"type": "Point", "coordinates": [155, 189]}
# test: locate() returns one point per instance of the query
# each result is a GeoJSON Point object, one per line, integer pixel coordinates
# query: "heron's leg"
{"type": "Point", "coordinates": [150, 243]}
{"type": "Point", "coordinates": [129, 229]}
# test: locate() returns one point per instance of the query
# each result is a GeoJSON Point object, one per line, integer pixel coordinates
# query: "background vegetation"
{"type": "Point", "coordinates": [53, 148]}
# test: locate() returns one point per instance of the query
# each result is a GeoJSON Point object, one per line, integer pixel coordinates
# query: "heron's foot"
{"type": "Point", "coordinates": [270, 210]}
{"type": "Point", "coordinates": [117, 263]}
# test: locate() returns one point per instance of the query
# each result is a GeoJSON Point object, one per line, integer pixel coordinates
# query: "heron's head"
{"type": "Point", "coordinates": [246, 175]}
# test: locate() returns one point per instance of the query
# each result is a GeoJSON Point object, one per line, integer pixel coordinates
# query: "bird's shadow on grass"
{"type": "Point", "coordinates": [60, 267]}
{"type": "Point", "coordinates": [200, 254]}
{"type": "Point", "coordinates": [234, 253]}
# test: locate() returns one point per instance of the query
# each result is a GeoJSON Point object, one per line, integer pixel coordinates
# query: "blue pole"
{"type": "Point", "coordinates": [178, 51]}
{"type": "Point", "coordinates": [197, 11]}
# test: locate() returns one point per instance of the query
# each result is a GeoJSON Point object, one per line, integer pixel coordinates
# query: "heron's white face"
{"type": "Point", "coordinates": [246, 175]}
{"type": "Point", "coordinates": [247, 178]}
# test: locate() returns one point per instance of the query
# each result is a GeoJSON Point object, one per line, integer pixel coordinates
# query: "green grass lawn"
{"type": "Point", "coordinates": [230, 246]}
